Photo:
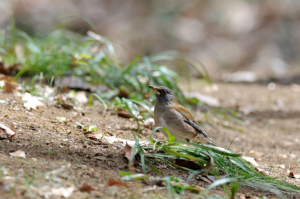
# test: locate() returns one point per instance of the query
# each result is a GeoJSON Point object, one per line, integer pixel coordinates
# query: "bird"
{"type": "Point", "coordinates": [172, 115]}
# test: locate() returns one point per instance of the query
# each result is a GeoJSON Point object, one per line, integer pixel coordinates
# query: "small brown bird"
{"type": "Point", "coordinates": [172, 115]}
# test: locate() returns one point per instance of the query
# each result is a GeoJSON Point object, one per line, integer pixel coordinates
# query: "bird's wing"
{"type": "Point", "coordinates": [189, 119]}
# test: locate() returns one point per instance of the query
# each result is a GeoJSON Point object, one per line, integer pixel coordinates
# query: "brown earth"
{"type": "Point", "coordinates": [59, 155]}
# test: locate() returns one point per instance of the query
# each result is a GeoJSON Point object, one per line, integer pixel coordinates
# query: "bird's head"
{"type": "Point", "coordinates": [163, 94]}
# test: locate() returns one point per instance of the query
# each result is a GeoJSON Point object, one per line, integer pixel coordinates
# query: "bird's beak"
{"type": "Point", "coordinates": [154, 89]}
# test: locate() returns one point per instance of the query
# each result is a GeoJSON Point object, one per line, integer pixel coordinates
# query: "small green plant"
{"type": "Point", "coordinates": [94, 59]}
{"type": "Point", "coordinates": [228, 165]}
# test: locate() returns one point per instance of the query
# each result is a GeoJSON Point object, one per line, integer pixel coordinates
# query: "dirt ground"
{"type": "Point", "coordinates": [59, 155]}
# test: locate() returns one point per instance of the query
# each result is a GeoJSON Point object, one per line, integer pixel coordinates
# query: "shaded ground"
{"type": "Point", "coordinates": [59, 155]}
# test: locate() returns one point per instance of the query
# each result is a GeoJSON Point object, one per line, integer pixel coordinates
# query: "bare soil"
{"type": "Point", "coordinates": [60, 155]}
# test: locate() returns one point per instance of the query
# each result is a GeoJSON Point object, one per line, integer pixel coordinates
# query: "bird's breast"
{"type": "Point", "coordinates": [166, 117]}
{"type": "Point", "coordinates": [162, 122]}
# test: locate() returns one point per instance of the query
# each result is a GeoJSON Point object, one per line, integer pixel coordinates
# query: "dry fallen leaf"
{"type": "Point", "coordinates": [123, 93]}
{"type": "Point", "coordinates": [124, 113]}
{"type": "Point", "coordinates": [292, 175]}
{"type": "Point", "coordinates": [9, 133]}
{"type": "Point", "coordinates": [12, 127]}
{"type": "Point", "coordinates": [9, 87]}
{"type": "Point", "coordinates": [18, 153]}
{"type": "Point", "coordinates": [9, 83]}
{"type": "Point", "coordinates": [31, 102]}
{"type": "Point", "coordinates": [255, 164]}
{"type": "Point", "coordinates": [128, 152]}
{"type": "Point", "coordinates": [266, 173]}
{"type": "Point", "coordinates": [65, 192]}
{"type": "Point", "coordinates": [250, 160]}
{"type": "Point", "coordinates": [129, 155]}
{"type": "Point", "coordinates": [87, 188]}
{"type": "Point", "coordinates": [81, 97]}
{"type": "Point", "coordinates": [208, 178]}
{"type": "Point", "coordinates": [112, 182]}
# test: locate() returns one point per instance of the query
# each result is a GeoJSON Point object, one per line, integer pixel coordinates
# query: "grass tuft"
{"type": "Point", "coordinates": [229, 166]}
{"type": "Point", "coordinates": [93, 58]}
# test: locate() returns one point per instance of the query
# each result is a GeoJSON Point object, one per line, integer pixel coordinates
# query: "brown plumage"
{"type": "Point", "coordinates": [172, 115]}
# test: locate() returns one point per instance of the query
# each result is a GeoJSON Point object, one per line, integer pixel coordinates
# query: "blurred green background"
{"type": "Point", "coordinates": [262, 37]}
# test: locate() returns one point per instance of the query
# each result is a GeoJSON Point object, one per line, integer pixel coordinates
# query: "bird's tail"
{"type": "Point", "coordinates": [200, 131]}
{"type": "Point", "coordinates": [210, 140]}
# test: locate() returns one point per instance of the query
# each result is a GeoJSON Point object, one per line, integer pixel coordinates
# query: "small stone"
{"type": "Point", "coordinates": [149, 123]}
